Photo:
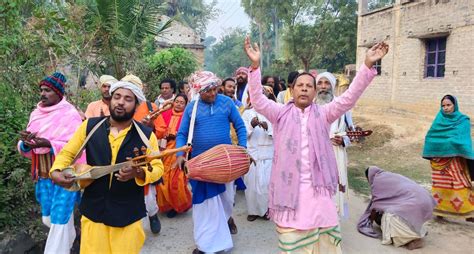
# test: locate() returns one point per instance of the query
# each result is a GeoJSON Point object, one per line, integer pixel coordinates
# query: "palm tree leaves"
{"type": "Point", "coordinates": [123, 26]}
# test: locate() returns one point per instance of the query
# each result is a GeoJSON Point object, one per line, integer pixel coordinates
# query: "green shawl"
{"type": "Point", "coordinates": [449, 136]}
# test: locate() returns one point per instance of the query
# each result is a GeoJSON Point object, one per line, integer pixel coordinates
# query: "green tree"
{"type": "Point", "coordinates": [228, 54]}
{"type": "Point", "coordinates": [194, 13]}
{"type": "Point", "coordinates": [122, 27]}
{"type": "Point", "coordinates": [174, 63]}
{"type": "Point", "coordinates": [267, 23]}
{"type": "Point", "coordinates": [321, 28]}
{"type": "Point", "coordinates": [315, 33]}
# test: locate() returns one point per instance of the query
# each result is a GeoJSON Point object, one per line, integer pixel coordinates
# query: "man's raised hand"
{"type": "Point", "coordinates": [253, 53]}
{"type": "Point", "coordinates": [377, 52]}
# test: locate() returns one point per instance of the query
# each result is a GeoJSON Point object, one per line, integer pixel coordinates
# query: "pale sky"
{"type": "Point", "coordinates": [230, 15]}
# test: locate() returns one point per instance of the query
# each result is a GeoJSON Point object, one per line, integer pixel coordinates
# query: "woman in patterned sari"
{"type": "Point", "coordinates": [448, 146]}
{"type": "Point", "coordinates": [172, 193]}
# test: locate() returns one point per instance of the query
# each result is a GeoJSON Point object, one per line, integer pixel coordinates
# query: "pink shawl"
{"type": "Point", "coordinates": [56, 123]}
{"type": "Point", "coordinates": [285, 176]}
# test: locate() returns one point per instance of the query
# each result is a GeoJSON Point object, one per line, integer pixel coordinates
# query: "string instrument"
{"type": "Point", "coordinates": [157, 112]}
{"type": "Point", "coordinates": [84, 174]}
{"type": "Point", "coordinates": [356, 135]}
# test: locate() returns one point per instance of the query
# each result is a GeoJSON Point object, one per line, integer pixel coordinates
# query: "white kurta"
{"type": "Point", "coordinates": [341, 198]}
{"type": "Point", "coordinates": [245, 96]}
{"type": "Point", "coordinates": [260, 147]}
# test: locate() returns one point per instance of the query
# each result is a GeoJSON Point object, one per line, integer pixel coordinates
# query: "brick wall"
{"type": "Point", "coordinates": [405, 27]}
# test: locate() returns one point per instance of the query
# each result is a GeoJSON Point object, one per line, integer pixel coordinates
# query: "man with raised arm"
{"type": "Point", "coordinates": [304, 174]}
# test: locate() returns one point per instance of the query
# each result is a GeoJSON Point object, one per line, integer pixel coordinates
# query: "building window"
{"type": "Point", "coordinates": [435, 57]}
{"type": "Point", "coordinates": [378, 67]}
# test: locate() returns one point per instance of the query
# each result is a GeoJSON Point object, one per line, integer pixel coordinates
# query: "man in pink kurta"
{"type": "Point", "coordinates": [51, 126]}
{"type": "Point", "coordinates": [304, 174]}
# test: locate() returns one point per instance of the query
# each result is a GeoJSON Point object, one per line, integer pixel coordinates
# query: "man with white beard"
{"type": "Point", "coordinates": [325, 86]}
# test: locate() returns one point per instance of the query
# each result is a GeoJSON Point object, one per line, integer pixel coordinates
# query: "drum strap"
{"type": "Point", "coordinates": [193, 121]}
{"type": "Point", "coordinates": [191, 125]}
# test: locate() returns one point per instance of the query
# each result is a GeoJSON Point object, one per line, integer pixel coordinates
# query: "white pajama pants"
{"type": "Point", "coordinates": [150, 201]}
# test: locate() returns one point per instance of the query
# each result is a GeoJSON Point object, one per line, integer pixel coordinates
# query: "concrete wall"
{"type": "Point", "coordinates": [405, 27]}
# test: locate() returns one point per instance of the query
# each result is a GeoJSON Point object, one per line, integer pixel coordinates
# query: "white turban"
{"type": "Point", "coordinates": [106, 79]}
{"type": "Point", "coordinates": [130, 86]}
{"type": "Point", "coordinates": [329, 76]}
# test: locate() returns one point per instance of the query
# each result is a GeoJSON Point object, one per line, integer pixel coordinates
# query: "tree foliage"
{"type": "Point", "coordinates": [194, 13]}
{"type": "Point", "coordinates": [315, 33]}
{"type": "Point", "coordinates": [174, 63]}
{"type": "Point", "coordinates": [227, 55]}
{"type": "Point", "coordinates": [122, 26]}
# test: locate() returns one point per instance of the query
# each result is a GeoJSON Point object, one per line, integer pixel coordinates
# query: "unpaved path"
{"type": "Point", "coordinates": [260, 237]}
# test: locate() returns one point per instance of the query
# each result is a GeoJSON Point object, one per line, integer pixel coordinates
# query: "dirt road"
{"type": "Point", "coordinates": [260, 236]}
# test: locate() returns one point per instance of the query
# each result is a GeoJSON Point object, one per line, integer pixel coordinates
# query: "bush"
{"type": "Point", "coordinates": [175, 63]}
{"type": "Point", "coordinates": [18, 207]}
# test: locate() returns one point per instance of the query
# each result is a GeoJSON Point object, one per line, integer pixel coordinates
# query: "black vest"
{"type": "Point", "coordinates": [106, 200]}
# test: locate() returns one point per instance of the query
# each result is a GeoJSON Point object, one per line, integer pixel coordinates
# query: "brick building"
{"type": "Point", "coordinates": [180, 35]}
{"type": "Point", "coordinates": [431, 53]}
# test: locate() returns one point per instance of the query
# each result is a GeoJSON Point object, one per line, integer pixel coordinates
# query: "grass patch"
{"type": "Point", "coordinates": [357, 181]}
{"type": "Point", "coordinates": [378, 150]}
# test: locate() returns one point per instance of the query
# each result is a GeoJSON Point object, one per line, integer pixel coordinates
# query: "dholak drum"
{"type": "Point", "coordinates": [220, 164]}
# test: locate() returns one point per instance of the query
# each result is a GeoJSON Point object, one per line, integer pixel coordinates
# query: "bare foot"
{"type": "Point", "coordinates": [415, 244]}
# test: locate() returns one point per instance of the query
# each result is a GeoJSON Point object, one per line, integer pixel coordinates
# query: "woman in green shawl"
{"type": "Point", "coordinates": [448, 146]}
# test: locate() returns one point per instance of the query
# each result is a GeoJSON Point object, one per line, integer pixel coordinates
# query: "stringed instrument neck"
{"type": "Point", "coordinates": [146, 159]}
{"type": "Point", "coordinates": [157, 112]}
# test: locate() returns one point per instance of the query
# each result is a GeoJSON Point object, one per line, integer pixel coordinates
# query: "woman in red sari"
{"type": "Point", "coordinates": [173, 195]}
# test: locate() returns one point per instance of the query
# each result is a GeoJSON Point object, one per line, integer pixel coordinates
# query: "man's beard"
{"type": "Point", "coordinates": [107, 97]}
{"type": "Point", "coordinates": [241, 81]}
{"type": "Point", "coordinates": [324, 97]}
{"type": "Point", "coordinates": [122, 118]}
